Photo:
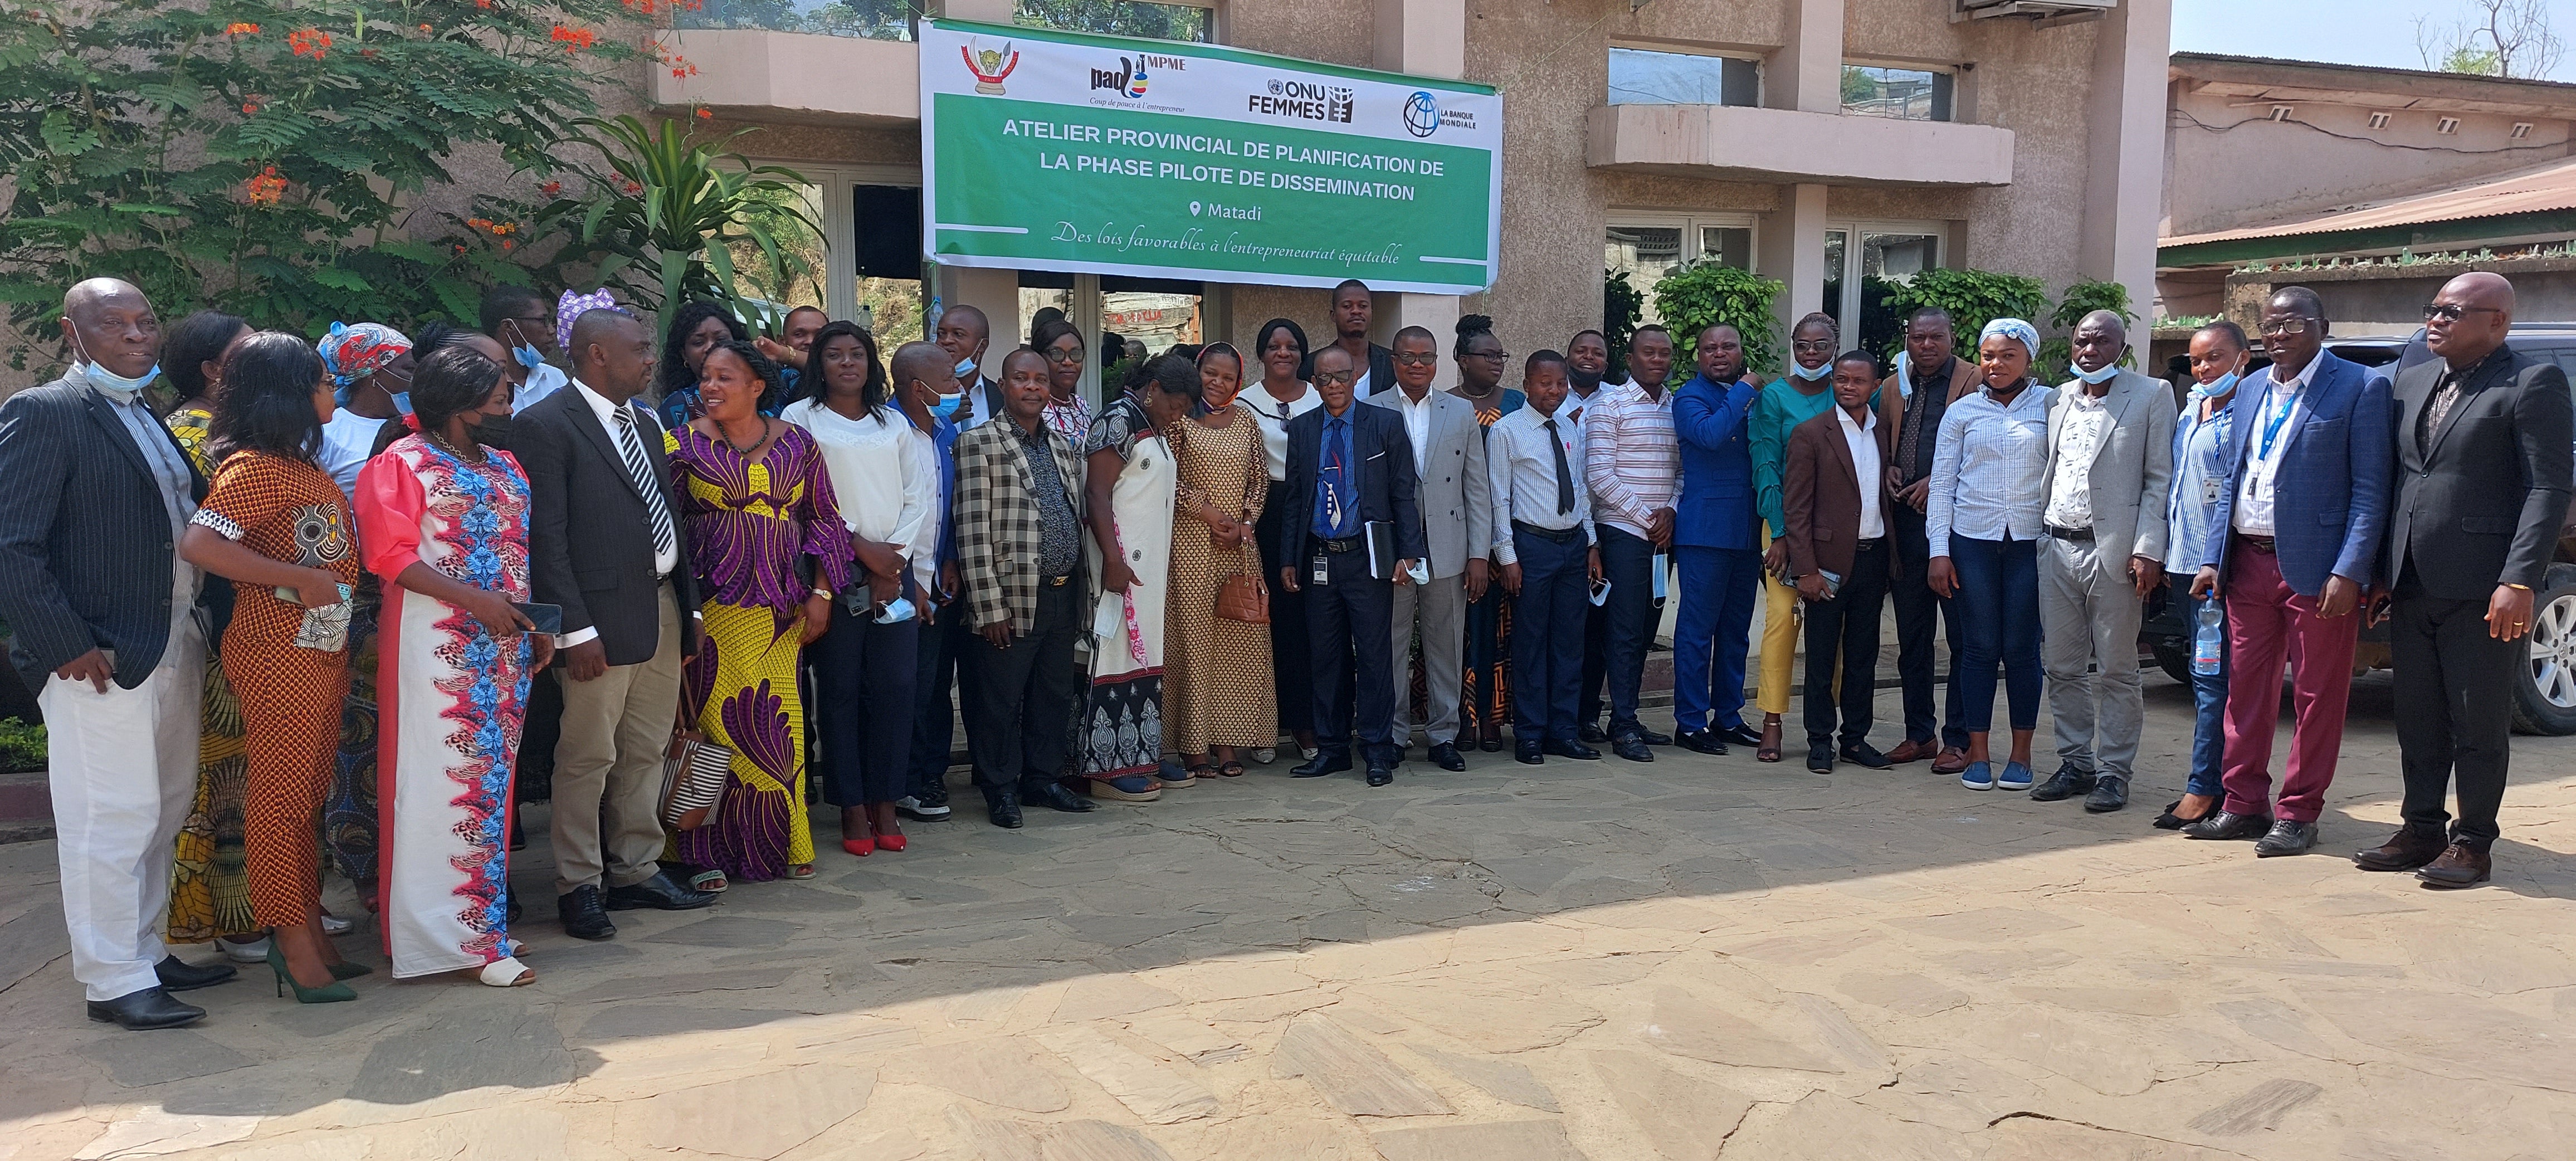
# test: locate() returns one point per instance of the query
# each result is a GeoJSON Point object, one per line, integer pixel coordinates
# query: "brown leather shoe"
{"type": "Point", "coordinates": [2461, 865]}
{"type": "Point", "coordinates": [2409, 848]}
{"type": "Point", "coordinates": [1910, 751]}
{"type": "Point", "coordinates": [1952, 761]}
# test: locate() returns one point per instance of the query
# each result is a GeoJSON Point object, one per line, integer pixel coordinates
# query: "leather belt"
{"type": "Point", "coordinates": [1057, 582]}
{"type": "Point", "coordinates": [1557, 535]}
{"type": "Point", "coordinates": [1867, 543]}
{"type": "Point", "coordinates": [1338, 544]}
{"type": "Point", "coordinates": [2078, 535]}
{"type": "Point", "coordinates": [2261, 544]}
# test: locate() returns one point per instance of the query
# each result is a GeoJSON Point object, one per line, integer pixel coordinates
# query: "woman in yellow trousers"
{"type": "Point", "coordinates": [1802, 394]}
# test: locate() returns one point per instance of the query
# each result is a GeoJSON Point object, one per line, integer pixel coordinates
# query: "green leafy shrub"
{"type": "Point", "coordinates": [2056, 362]}
{"type": "Point", "coordinates": [1698, 295]}
{"type": "Point", "coordinates": [1622, 304]}
{"type": "Point", "coordinates": [1973, 298]}
{"type": "Point", "coordinates": [22, 746]}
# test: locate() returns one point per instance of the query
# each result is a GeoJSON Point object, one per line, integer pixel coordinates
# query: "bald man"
{"type": "Point", "coordinates": [2483, 452]}
{"type": "Point", "coordinates": [94, 494]}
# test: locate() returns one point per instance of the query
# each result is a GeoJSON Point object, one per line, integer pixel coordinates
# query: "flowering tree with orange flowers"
{"type": "Point", "coordinates": [262, 155]}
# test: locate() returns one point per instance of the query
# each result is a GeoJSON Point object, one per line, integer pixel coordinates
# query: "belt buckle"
{"type": "Point", "coordinates": [1057, 582]}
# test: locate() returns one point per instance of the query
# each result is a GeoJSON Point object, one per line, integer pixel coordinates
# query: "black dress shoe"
{"type": "Point", "coordinates": [2226, 824]}
{"type": "Point", "coordinates": [178, 975]}
{"type": "Point", "coordinates": [2409, 848]}
{"type": "Point", "coordinates": [1633, 748]}
{"type": "Point", "coordinates": [1649, 737]}
{"type": "Point", "coordinates": [1003, 807]}
{"type": "Point", "coordinates": [1445, 755]}
{"type": "Point", "coordinates": [1866, 755]}
{"type": "Point", "coordinates": [2287, 837]}
{"type": "Point", "coordinates": [2110, 792]}
{"type": "Point", "coordinates": [1738, 735]}
{"type": "Point", "coordinates": [1528, 752]}
{"type": "Point", "coordinates": [1380, 773]}
{"type": "Point", "coordinates": [2066, 783]}
{"type": "Point", "coordinates": [583, 915]}
{"type": "Point", "coordinates": [1575, 750]}
{"type": "Point", "coordinates": [1592, 734]}
{"type": "Point", "coordinates": [1051, 794]}
{"type": "Point", "coordinates": [1820, 757]}
{"type": "Point", "coordinates": [146, 1009]}
{"type": "Point", "coordinates": [1323, 763]}
{"type": "Point", "coordinates": [1700, 741]}
{"type": "Point", "coordinates": [659, 893]}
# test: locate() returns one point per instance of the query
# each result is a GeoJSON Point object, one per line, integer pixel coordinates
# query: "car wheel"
{"type": "Point", "coordinates": [2545, 695]}
{"type": "Point", "coordinates": [2175, 661]}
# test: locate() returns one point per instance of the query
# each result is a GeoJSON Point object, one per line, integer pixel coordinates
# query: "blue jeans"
{"type": "Point", "coordinates": [1998, 607]}
{"type": "Point", "coordinates": [2209, 710]}
{"type": "Point", "coordinates": [1711, 635]}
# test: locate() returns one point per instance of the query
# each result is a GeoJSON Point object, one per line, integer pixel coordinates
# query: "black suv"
{"type": "Point", "coordinates": [2545, 701]}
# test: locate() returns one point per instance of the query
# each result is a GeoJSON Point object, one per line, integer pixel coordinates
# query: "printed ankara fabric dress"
{"type": "Point", "coordinates": [1217, 676]}
{"type": "Point", "coordinates": [1122, 720]}
{"type": "Point", "coordinates": [1485, 695]}
{"type": "Point", "coordinates": [209, 869]}
{"type": "Point", "coordinates": [751, 525]}
{"type": "Point", "coordinates": [454, 699]}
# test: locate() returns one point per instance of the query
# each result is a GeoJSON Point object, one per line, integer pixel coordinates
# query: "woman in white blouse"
{"type": "Point", "coordinates": [1281, 395]}
{"type": "Point", "coordinates": [863, 665]}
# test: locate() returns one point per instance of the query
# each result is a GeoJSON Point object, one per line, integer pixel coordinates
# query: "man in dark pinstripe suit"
{"type": "Point", "coordinates": [94, 493]}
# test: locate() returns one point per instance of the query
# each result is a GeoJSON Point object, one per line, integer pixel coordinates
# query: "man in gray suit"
{"type": "Point", "coordinates": [1456, 500]}
{"type": "Point", "coordinates": [2110, 465]}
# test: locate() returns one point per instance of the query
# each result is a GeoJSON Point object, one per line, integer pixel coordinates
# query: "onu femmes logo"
{"type": "Point", "coordinates": [1127, 80]}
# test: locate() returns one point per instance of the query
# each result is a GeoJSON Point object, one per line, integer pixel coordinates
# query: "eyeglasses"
{"type": "Point", "coordinates": [1497, 356]}
{"type": "Point", "coordinates": [1409, 359]}
{"type": "Point", "coordinates": [1824, 345]}
{"type": "Point", "coordinates": [1062, 355]}
{"type": "Point", "coordinates": [1324, 377]}
{"type": "Point", "coordinates": [2282, 327]}
{"type": "Point", "coordinates": [2451, 311]}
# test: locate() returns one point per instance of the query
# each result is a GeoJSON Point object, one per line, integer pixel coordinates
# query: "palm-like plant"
{"type": "Point", "coordinates": [667, 214]}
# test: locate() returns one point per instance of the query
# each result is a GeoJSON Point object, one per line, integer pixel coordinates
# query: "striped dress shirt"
{"type": "Point", "coordinates": [1990, 471]}
{"type": "Point", "coordinates": [1632, 462]}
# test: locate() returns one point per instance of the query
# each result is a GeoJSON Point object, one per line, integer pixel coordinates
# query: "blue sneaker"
{"type": "Point", "coordinates": [1978, 776]}
{"type": "Point", "coordinates": [2016, 777]}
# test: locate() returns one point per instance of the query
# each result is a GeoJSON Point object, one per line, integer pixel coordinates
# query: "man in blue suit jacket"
{"type": "Point", "coordinates": [1348, 467]}
{"type": "Point", "coordinates": [2293, 546]}
{"type": "Point", "coordinates": [1714, 543]}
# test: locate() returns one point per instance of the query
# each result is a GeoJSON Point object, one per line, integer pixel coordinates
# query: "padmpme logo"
{"type": "Point", "coordinates": [1127, 80]}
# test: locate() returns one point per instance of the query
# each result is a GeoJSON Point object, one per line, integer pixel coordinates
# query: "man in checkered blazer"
{"type": "Point", "coordinates": [1019, 556]}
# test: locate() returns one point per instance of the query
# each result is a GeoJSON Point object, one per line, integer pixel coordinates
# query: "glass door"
{"type": "Point", "coordinates": [1858, 278]}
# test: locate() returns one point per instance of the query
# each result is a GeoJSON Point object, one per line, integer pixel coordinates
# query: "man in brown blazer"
{"type": "Point", "coordinates": [1835, 494]}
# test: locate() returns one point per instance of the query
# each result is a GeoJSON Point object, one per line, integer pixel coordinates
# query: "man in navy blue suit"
{"type": "Point", "coordinates": [1713, 542]}
{"type": "Point", "coordinates": [1349, 467]}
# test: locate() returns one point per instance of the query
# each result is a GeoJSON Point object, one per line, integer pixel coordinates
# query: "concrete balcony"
{"type": "Point", "coordinates": [1785, 145]}
{"type": "Point", "coordinates": [756, 74]}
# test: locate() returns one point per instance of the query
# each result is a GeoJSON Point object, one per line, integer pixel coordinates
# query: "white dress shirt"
{"type": "Point", "coordinates": [347, 443]}
{"type": "Point", "coordinates": [2285, 402]}
{"type": "Point", "coordinates": [1990, 469]}
{"type": "Point", "coordinates": [1522, 471]}
{"type": "Point", "coordinates": [925, 547]}
{"type": "Point", "coordinates": [2079, 437]}
{"type": "Point", "coordinates": [1862, 438]}
{"type": "Point", "coordinates": [544, 379]}
{"type": "Point", "coordinates": [1417, 425]}
{"type": "Point", "coordinates": [877, 476]}
{"type": "Point", "coordinates": [1273, 416]}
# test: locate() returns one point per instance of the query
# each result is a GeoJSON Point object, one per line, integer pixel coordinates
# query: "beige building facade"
{"type": "Point", "coordinates": [1833, 145]}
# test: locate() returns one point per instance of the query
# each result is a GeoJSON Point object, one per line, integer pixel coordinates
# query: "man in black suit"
{"type": "Point", "coordinates": [94, 494]}
{"type": "Point", "coordinates": [1349, 467]}
{"type": "Point", "coordinates": [605, 542]}
{"type": "Point", "coordinates": [1354, 310]}
{"type": "Point", "coordinates": [967, 336]}
{"type": "Point", "coordinates": [2483, 451]}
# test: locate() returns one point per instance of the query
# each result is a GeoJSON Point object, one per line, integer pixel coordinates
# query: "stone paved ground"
{"type": "Point", "coordinates": [1697, 958]}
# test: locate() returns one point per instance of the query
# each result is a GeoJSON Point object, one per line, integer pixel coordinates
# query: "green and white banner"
{"type": "Point", "coordinates": [1066, 151]}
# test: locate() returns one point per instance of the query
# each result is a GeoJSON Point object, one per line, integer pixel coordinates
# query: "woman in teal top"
{"type": "Point", "coordinates": [1806, 392]}
{"type": "Point", "coordinates": [1485, 699]}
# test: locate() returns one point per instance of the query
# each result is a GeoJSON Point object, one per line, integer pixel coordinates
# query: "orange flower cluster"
{"type": "Point", "coordinates": [240, 29]}
{"type": "Point", "coordinates": [551, 189]}
{"type": "Point", "coordinates": [312, 42]}
{"type": "Point", "coordinates": [266, 188]}
{"type": "Point", "coordinates": [679, 65]}
{"type": "Point", "coordinates": [496, 229]}
{"type": "Point", "coordinates": [630, 185]}
{"type": "Point", "coordinates": [575, 39]}
{"type": "Point", "coordinates": [705, 114]}
{"type": "Point", "coordinates": [482, 3]}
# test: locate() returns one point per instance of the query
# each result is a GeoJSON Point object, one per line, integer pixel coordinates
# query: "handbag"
{"type": "Point", "coordinates": [1242, 597]}
{"type": "Point", "coordinates": [694, 771]}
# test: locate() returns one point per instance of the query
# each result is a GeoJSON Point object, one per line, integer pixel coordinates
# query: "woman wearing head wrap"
{"type": "Point", "coordinates": [1989, 482]}
{"type": "Point", "coordinates": [1216, 678]}
{"type": "Point", "coordinates": [370, 367]}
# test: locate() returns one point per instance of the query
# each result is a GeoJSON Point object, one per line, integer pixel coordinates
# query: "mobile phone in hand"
{"type": "Point", "coordinates": [547, 619]}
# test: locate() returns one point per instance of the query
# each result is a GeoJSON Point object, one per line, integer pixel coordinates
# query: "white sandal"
{"type": "Point", "coordinates": [507, 972]}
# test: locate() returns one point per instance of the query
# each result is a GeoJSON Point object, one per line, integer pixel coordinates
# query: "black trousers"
{"type": "Point", "coordinates": [862, 708]}
{"type": "Point", "coordinates": [1628, 617]}
{"type": "Point", "coordinates": [1845, 629]}
{"type": "Point", "coordinates": [939, 661]}
{"type": "Point", "coordinates": [1293, 675]}
{"type": "Point", "coordinates": [1350, 624]}
{"type": "Point", "coordinates": [2455, 687]}
{"type": "Point", "coordinates": [1596, 655]}
{"type": "Point", "coordinates": [1917, 607]}
{"type": "Point", "coordinates": [1024, 694]}
{"type": "Point", "coordinates": [536, 774]}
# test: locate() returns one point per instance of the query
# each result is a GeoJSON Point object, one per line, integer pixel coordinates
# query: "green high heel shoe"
{"type": "Point", "coordinates": [330, 993]}
{"type": "Point", "coordinates": [350, 971]}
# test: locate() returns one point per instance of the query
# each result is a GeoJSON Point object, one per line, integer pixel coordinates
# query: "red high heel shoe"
{"type": "Point", "coordinates": [861, 847]}
{"type": "Point", "coordinates": [892, 842]}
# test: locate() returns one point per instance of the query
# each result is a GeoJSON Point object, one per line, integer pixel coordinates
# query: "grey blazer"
{"type": "Point", "coordinates": [1454, 493]}
{"type": "Point", "coordinates": [2132, 468]}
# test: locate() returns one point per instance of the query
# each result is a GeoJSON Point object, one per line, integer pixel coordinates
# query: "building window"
{"type": "Point", "coordinates": [1906, 94]}
{"type": "Point", "coordinates": [1139, 18]}
{"type": "Point", "coordinates": [2521, 129]}
{"type": "Point", "coordinates": [2447, 125]}
{"type": "Point", "coordinates": [1858, 278]}
{"type": "Point", "coordinates": [2379, 120]}
{"type": "Point", "coordinates": [867, 19]}
{"type": "Point", "coordinates": [1647, 247]}
{"type": "Point", "coordinates": [1644, 77]}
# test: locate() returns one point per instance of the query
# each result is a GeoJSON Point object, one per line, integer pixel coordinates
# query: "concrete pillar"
{"type": "Point", "coordinates": [2124, 124]}
{"type": "Point", "coordinates": [1426, 38]}
{"type": "Point", "coordinates": [1806, 74]}
{"type": "Point", "coordinates": [1793, 250]}
{"type": "Point", "coordinates": [995, 292]}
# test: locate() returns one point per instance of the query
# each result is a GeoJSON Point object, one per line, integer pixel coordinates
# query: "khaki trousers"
{"type": "Point", "coordinates": [608, 766]}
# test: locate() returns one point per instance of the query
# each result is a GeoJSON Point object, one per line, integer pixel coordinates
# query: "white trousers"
{"type": "Point", "coordinates": [123, 769]}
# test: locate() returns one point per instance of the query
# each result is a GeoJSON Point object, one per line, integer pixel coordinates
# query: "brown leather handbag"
{"type": "Point", "coordinates": [1242, 597]}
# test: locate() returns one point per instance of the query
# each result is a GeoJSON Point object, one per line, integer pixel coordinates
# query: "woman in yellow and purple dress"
{"type": "Point", "coordinates": [769, 549]}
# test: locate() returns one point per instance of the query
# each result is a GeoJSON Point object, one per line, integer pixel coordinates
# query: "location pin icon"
{"type": "Point", "coordinates": [1194, 209]}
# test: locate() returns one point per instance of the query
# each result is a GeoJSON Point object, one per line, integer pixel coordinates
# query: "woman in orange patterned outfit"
{"type": "Point", "coordinates": [274, 522]}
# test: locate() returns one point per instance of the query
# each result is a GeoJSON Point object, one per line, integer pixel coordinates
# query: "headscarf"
{"type": "Point", "coordinates": [2014, 329]}
{"type": "Point", "coordinates": [1243, 379]}
{"type": "Point", "coordinates": [351, 353]}
{"type": "Point", "coordinates": [572, 306]}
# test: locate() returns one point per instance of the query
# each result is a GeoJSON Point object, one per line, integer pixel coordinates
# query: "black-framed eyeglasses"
{"type": "Point", "coordinates": [1410, 359]}
{"type": "Point", "coordinates": [1324, 377]}
{"type": "Point", "coordinates": [2279, 328]}
{"type": "Point", "coordinates": [2451, 311]}
{"type": "Point", "coordinates": [1497, 356]}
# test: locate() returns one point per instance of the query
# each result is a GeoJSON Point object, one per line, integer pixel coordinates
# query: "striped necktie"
{"type": "Point", "coordinates": [666, 541]}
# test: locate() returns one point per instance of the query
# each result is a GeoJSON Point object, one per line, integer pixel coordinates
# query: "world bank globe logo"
{"type": "Point", "coordinates": [1421, 115]}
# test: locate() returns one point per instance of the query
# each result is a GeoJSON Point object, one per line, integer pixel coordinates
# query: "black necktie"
{"type": "Point", "coordinates": [1564, 475]}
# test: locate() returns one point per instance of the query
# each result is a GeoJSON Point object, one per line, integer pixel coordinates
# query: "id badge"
{"type": "Point", "coordinates": [2208, 490]}
{"type": "Point", "coordinates": [1323, 570]}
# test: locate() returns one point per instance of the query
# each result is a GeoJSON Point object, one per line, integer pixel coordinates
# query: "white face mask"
{"type": "Point", "coordinates": [1810, 374]}
{"type": "Point", "coordinates": [2097, 377]}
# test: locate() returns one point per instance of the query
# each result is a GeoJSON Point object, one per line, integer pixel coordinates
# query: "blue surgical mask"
{"type": "Point", "coordinates": [528, 356]}
{"type": "Point", "coordinates": [947, 406]}
{"type": "Point", "coordinates": [109, 381]}
{"type": "Point", "coordinates": [895, 612]}
{"type": "Point", "coordinates": [1810, 374]}
{"type": "Point", "coordinates": [2224, 384]}
{"type": "Point", "coordinates": [402, 402]}
{"type": "Point", "coordinates": [2101, 376]}
{"type": "Point", "coordinates": [965, 370]}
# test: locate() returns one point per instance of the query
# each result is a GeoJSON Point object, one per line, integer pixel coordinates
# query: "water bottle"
{"type": "Point", "coordinates": [2208, 638]}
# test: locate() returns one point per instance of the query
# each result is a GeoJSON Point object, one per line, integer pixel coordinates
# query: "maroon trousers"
{"type": "Point", "coordinates": [2266, 622]}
